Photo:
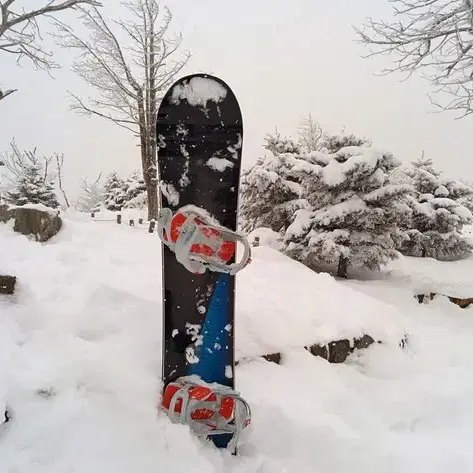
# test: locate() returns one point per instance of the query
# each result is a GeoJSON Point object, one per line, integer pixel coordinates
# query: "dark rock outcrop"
{"type": "Point", "coordinates": [42, 224]}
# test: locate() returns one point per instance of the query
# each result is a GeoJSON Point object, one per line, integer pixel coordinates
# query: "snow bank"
{"type": "Point", "coordinates": [283, 305]}
{"type": "Point", "coordinates": [80, 361]}
{"type": "Point", "coordinates": [425, 275]}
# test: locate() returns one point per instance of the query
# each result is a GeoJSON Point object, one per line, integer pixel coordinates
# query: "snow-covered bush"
{"type": "Point", "coordinates": [354, 214]}
{"type": "Point", "coordinates": [33, 187]}
{"type": "Point", "coordinates": [438, 216]}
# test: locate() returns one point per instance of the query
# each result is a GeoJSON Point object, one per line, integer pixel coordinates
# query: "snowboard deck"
{"type": "Point", "coordinates": [199, 133]}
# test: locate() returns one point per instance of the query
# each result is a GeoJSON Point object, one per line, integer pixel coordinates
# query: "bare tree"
{"type": "Point", "coordinates": [131, 68]}
{"type": "Point", "coordinates": [431, 36]}
{"type": "Point", "coordinates": [92, 195]}
{"type": "Point", "coordinates": [310, 134]}
{"type": "Point", "coordinates": [20, 34]}
{"type": "Point", "coordinates": [59, 172]}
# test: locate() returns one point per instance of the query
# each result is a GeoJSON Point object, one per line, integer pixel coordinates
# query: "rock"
{"type": "Point", "coordinates": [7, 284]}
{"type": "Point", "coordinates": [464, 302]}
{"type": "Point", "coordinates": [338, 351]}
{"type": "Point", "coordinates": [36, 220]}
{"type": "Point", "coordinates": [333, 352]}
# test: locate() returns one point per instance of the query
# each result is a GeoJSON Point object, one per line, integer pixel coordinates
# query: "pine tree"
{"type": "Point", "coordinates": [438, 216]}
{"type": "Point", "coordinates": [277, 145]}
{"type": "Point", "coordinates": [271, 190]}
{"type": "Point", "coordinates": [33, 188]}
{"type": "Point", "coordinates": [114, 192]}
{"type": "Point", "coordinates": [135, 191]}
{"type": "Point", "coordinates": [355, 213]}
{"type": "Point", "coordinates": [333, 142]}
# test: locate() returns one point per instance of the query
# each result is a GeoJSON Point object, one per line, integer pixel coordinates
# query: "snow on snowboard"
{"type": "Point", "coordinates": [199, 132]}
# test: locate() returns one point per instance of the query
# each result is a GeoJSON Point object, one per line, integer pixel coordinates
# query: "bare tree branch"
{"type": "Point", "coordinates": [433, 37]}
{"type": "Point", "coordinates": [130, 75]}
{"type": "Point", "coordinates": [20, 34]}
{"type": "Point", "coordinates": [5, 93]}
{"type": "Point", "coordinates": [19, 31]}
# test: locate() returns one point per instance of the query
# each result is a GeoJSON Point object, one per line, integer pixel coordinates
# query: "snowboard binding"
{"type": "Point", "coordinates": [200, 244]}
{"type": "Point", "coordinates": [209, 409]}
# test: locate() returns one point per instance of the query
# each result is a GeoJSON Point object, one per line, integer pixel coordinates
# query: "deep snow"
{"type": "Point", "coordinates": [80, 363]}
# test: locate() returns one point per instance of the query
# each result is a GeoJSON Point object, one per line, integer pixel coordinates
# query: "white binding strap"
{"type": "Point", "coordinates": [234, 426]}
{"type": "Point", "coordinates": [191, 233]}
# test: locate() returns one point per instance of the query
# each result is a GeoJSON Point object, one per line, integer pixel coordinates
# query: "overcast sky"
{"type": "Point", "coordinates": [283, 59]}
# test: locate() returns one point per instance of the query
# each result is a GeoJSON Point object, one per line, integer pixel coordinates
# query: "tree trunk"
{"type": "Point", "coordinates": [151, 108]}
{"type": "Point", "coordinates": [343, 267]}
{"type": "Point", "coordinates": [152, 191]}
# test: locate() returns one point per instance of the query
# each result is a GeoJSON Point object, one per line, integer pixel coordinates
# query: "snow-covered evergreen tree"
{"type": "Point", "coordinates": [278, 145]}
{"type": "Point", "coordinates": [355, 213]}
{"type": "Point", "coordinates": [438, 217]}
{"type": "Point", "coordinates": [271, 190]}
{"type": "Point", "coordinates": [32, 187]}
{"type": "Point", "coordinates": [135, 191]}
{"type": "Point", "coordinates": [114, 192]}
{"type": "Point", "coordinates": [333, 142]}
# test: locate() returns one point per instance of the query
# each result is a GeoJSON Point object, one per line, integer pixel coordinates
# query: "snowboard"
{"type": "Point", "coordinates": [199, 142]}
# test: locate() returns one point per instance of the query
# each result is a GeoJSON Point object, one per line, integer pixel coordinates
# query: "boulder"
{"type": "Point", "coordinates": [37, 220]}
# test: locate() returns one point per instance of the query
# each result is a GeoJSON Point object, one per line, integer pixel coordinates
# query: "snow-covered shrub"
{"type": "Point", "coordinates": [354, 214]}
{"type": "Point", "coordinates": [438, 217]}
{"type": "Point", "coordinates": [33, 187]}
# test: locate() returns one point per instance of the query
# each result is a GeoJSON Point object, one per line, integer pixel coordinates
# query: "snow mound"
{"type": "Point", "coordinates": [267, 237]}
{"type": "Point", "coordinates": [426, 275]}
{"type": "Point", "coordinates": [80, 355]}
{"type": "Point", "coordinates": [283, 305]}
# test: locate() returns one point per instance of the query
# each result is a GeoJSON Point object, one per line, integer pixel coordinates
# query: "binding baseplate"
{"type": "Point", "coordinates": [209, 409]}
{"type": "Point", "coordinates": [200, 244]}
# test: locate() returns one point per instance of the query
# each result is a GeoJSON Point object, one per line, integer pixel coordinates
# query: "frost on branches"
{"type": "Point", "coordinates": [271, 190]}
{"type": "Point", "coordinates": [438, 217]}
{"type": "Point", "coordinates": [355, 214]}
{"type": "Point", "coordinates": [32, 187]}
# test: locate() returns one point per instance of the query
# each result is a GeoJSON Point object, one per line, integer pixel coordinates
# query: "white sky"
{"type": "Point", "coordinates": [283, 59]}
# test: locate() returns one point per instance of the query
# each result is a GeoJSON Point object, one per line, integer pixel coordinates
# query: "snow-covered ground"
{"type": "Point", "coordinates": [80, 363]}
